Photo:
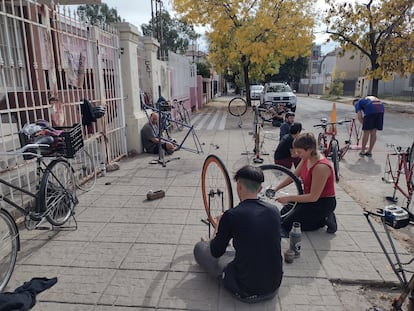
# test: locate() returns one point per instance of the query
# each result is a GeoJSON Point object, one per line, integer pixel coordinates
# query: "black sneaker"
{"type": "Point", "coordinates": [331, 223]}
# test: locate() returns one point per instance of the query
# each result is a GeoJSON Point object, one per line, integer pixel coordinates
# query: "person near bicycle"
{"type": "Point", "coordinates": [370, 113]}
{"type": "Point", "coordinates": [285, 127]}
{"type": "Point", "coordinates": [150, 139]}
{"type": "Point", "coordinates": [278, 115]}
{"type": "Point", "coordinates": [284, 153]}
{"type": "Point", "coordinates": [315, 207]}
{"type": "Point", "coordinates": [252, 270]}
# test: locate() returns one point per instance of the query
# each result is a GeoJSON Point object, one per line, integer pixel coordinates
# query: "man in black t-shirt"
{"type": "Point", "coordinates": [284, 151]}
{"type": "Point", "coordinates": [252, 271]}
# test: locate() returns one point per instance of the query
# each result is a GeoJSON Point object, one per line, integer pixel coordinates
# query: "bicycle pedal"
{"type": "Point", "coordinates": [154, 195]}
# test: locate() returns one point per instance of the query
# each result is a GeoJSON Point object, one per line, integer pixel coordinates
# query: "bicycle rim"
{"type": "Point", "coordinates": [84, 169]}
{"type": "Point", "coordinates": [58, 192]}
{"type": "Point", "coordinates": [187, 119]}
{"type": "Point", "coordinates": [216, 188]}
{"type": "Point", "coordinates": [335, 158]}
{"type": "Point", "coordinates": [9, 246]}
{"type": "Point", "coordinates": [411, 163]}
{"type": "Point", "coordinates": [237, 107]}
{"type": "Point", "coordinates": [273, 176]}
{"type": "Point", "coordinates": [180, 120]}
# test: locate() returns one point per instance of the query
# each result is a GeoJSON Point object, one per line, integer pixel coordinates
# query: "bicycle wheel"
{"type": "Point", "coordinates": [186, 117]}
{"type": "Point", "coordinates": [58, 192]}
{"type": "Point", "coordinates": [335, 158]}
{"type": "Point", "coordinates": [178, 117]}
{"type": "Point", "coordinates": [322, 143]}
{"type": "Point", "coordinates": [216, 188]}
{"type": "Point", "coordinates": [237, 107]}
{"type": "Point", "coordinates": [273, 176]}
{"type": "Point", "coordinates": [9, 246]}
{"type": "Point", "coordinates": [411, 163]}
{"type": "Point", "coordinates": [84, 169]}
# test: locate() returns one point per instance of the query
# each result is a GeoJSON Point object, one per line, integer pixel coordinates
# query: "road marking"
{"type": "Point", "coordinates": [203, 120]}
{"type": "Point", "coordinates": [213, 121]}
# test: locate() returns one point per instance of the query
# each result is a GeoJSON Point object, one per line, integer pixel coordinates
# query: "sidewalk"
{"type": "Point", "coordinates": [132, 254]}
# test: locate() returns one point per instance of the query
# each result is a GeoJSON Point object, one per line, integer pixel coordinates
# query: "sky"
{"type": "Point", "coordinates": [138, 12]}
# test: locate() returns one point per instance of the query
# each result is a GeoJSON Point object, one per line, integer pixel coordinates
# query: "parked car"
{"type": "Point", "coordinates": [256, 91]}
{"type": "Point", "coordinates": [279, 93]}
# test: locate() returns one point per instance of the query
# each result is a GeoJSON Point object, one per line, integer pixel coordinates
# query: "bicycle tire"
{"type": "Point", "coordinates": [84, 169]}
{"type": "Point", "coordinates": [178, 117]}
{"type": "Point", "coordinates": [237, 106]}
{"type": "Point", "coordinates": [58, 192]}
{"type": "Point", "coordinates": [411, 163]}
{"type": "Point", "coordinates": [187, 119]}
{"type": "Point", "coordinates": [9, 246]}
{"type": "Point", "coordinates": [216, 188]}
{"type": "Point", "coordinates": [273, 175]}
{"type": "Point", "coordinates": [335, 158]}
{"type": "Point", "coordinates": [322, 143]}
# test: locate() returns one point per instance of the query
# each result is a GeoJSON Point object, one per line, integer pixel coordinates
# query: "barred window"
{"type": "Point", "coordinates": [11, 50]}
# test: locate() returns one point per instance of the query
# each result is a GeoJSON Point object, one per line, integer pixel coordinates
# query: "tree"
{"type": "Point", "coordinates": [291, 71]}
{"type": "Point", "coordinates": [382, 30]}
{"type": "Point", "coordinates": [252, 37]}
{"type": "Point", "coordinates": [175, 34]}
{"type": "Point", "coordinates": [96, 14]}
{"type": "Point", "coordinates": [203, 69]}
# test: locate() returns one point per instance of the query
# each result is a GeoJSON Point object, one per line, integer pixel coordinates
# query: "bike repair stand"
{"type": "Point", "coordinates": [398, 266]}
{"type": "Point", "coordinates": [161, 152]}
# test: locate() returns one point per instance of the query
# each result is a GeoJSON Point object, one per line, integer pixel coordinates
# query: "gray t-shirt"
{"type": "Point", "coordinates": [147, 134]}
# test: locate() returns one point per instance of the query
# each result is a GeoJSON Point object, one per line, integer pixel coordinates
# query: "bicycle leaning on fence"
{"type": "Point", "coordinates": [401, 170]}
{"type": "Point", "coordinates": [181, 115]}
{"type": "Point", "coordinates": [53, 201]}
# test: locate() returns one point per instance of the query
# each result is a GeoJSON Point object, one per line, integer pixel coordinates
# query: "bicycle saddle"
{"type": "Point", "coordinates": [47, 140]}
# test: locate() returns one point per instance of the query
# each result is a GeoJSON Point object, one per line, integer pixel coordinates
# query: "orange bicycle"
{"type": "Point", "coordinates": [403, 169]}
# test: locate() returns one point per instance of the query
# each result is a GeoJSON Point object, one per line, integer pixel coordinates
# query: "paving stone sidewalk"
{"type": "Point", "coordinates": [132, 254]}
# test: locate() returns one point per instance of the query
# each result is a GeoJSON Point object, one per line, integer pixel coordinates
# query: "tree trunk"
{"type": "Point", "coordinates": [375, 87]}
{"type": "Point", "coordinates": [247, 84]}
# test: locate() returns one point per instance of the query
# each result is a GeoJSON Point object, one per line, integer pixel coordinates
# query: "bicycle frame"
{"type": "Point", "coordinates": [402, 169]}
{"type": "Point", "coordinates": [165, 118]}
{"type": "Point", "coordinates": [39, 171]}
{"type": "Point", "coordinates": [354, 131]}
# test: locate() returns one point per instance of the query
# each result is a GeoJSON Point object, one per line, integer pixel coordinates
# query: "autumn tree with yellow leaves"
{"type": "Point", "coordinates": [382, 30]}
{"type": "Point", "coordinates": [253, 36]}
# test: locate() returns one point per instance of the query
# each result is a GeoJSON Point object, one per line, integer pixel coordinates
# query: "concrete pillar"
{"type": "Point", "coordinates": [134, 117]}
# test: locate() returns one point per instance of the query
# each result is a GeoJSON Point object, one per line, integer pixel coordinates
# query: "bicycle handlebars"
{"type": "Point", "coordinates": [325, 124]}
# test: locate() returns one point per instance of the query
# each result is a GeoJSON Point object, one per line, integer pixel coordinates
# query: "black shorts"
{"type": "Point", "coordinates": [373, 121]}
{"type": "Point", "coordinates": [156, 148]}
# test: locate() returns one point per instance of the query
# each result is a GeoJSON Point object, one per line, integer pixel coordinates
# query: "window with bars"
{"type": "Point", "coordinates": [11, 51]}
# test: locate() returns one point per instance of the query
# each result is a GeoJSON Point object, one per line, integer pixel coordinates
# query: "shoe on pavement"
{"type": "Point", "coordinates": [331, 223]}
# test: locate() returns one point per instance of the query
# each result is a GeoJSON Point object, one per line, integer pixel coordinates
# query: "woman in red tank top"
{"type": "Point", "coordinates": [316, 205]}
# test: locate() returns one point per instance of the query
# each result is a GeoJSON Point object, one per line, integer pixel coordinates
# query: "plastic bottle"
{"type": "Point", "coordinates": [295, 238]}
{"type": "Point", "coordinates": [103, 169]}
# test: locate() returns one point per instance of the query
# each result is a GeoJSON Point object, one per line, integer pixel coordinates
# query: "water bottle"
{"type": "Point", "coordinates": [295, 238]}
{"type": "Point", "coordinates": [103, 169]}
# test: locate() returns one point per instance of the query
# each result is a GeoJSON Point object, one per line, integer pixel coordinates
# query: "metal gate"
{"type": "Point", "coordinates": [49, 63]}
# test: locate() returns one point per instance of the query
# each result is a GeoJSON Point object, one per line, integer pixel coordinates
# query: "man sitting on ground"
{"type": "Point", "coordinates": [252, 270]}
{"type": "Point", "coordinates": [285, 127]}
{"type": "Point", "coordinates": [149, 137]}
